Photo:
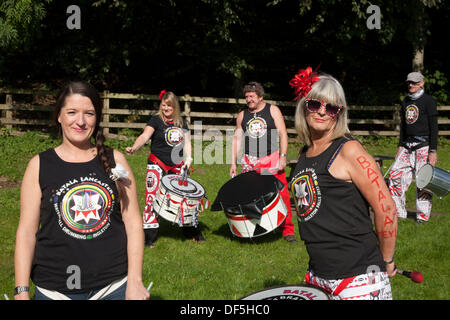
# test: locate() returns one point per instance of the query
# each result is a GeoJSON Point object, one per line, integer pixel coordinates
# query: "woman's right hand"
{"type": "Point", "coordinates": [22, 296]}
{"type": "Point", "coordinates": [129, 150]}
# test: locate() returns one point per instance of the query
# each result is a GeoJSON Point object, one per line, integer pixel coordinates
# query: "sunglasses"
{"type": "Point", "coordinates": [313, 105]}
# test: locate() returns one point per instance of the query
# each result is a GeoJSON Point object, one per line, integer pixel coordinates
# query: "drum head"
{"type": "Point", "coordinates": [246, 188]}
{"type": "Point", "coordinates": [289, 292]}
{"type": "Point", "coordinates": [424, 176]}
{"type": "Point", "coordinates": [192, 189]}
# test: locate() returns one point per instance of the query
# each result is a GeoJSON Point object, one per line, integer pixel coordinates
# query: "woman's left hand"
{"type": "Point", "coordinates": [136, 291]}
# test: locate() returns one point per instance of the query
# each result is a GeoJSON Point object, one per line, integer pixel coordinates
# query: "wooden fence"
{"type": "Point", "coordinates": [28, 109]}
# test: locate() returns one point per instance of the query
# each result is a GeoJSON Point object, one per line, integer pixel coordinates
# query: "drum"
{"type": "Point", "coordinates": [289, 292]}
{"type": "Point", "coordinates": [433, 179]}
{"type": "Point", "coordinates": [252, 204]}
{"type": "Point", "coordinates": [179, 200]}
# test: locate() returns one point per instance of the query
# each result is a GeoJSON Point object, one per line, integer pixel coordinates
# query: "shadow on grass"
{"type": "Point", "coordinates": [225, 232]}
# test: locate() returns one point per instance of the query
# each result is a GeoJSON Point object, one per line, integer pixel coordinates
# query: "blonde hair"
{"type": "Point", "coordinates": [326, 89]}
{"type": "Point", "coordinates": [171, 100]}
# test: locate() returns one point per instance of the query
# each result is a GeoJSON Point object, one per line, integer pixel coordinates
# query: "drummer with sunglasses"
{"type": "Point", "coordinates": [333, 184]}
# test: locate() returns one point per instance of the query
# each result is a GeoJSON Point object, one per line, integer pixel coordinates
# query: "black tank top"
{"type": "Point", "coordinates": [81, 228]}
{"type": "Point", "coordinates": [333, 219]}
{"type": "Point", "coordinates": [260, 132]}
{"type": "Point", "coordinates": [167, 140]}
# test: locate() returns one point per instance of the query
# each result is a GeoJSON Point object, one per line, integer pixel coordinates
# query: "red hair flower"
{"type": "Point", "coordinates": [303, 81]}
{"type": "Point", "coordinates": [161, 94]}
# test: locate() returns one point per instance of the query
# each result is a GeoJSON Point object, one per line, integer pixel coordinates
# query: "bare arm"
{"type": "Point", "coordinates": [236, 145]}
{"type": "Point", "coordinates": [30, 200]}
{"type": "Point", "coordinates": [187, 150]}
{"type": "Point", "coordinates": [361, 168]}
{"type": "Point", "coordinates": [282, 131]}
{"type": "Point", "coordinates": [141, 140]}
{"type": "Point", "coordinates": [135, 235]}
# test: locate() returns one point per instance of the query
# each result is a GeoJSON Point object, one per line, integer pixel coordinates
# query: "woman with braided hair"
{"type": "Point", "coordinates": [79, 235]}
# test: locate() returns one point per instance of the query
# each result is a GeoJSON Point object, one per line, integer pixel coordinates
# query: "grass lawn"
{"type": "Point", "coordinates": [226, 267]}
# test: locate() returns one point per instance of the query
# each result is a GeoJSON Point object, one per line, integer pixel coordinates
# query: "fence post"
{"type": "Point", "coordinates": [396, 118]}
{"type": "Point", "coordinates": [187, 108]}
{"type": "Point", "coordinates": [9, 113]}
{"type": "Point", "coordinates": [106, 113]}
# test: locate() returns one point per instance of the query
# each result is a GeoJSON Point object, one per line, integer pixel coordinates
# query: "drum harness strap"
{"type": "Point", "coordinates": [414, 143]}
{"type": "Point", "coordinates": [176, 168]}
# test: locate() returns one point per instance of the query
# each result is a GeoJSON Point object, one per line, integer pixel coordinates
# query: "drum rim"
{"type": "Point", "coordinates": [271, 199]}
{"type": "Point", "coordinates": [242, 221]}
{"type": "Point", "coordinates": [321, 290]}
{"type": "Point", "coordinates": [427, 179]}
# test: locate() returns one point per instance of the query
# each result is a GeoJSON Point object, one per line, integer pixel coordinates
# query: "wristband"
{"type": "Point", "coordinates": [189, 159]}
{"type": "Point", "coordinates": [389, 262]}
{"type": "Point", "coordinates": [283, 154]}
{"type": "Point", "coordinates": [20, 289]}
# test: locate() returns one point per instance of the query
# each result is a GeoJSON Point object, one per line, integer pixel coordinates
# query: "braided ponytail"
{"type": "Point", "coordinates": [105, 153]}
{"type": "Point", "coordinates": [107, 161]}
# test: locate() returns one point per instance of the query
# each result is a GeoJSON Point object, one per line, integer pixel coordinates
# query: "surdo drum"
{"type": "Point", "coordinates": [289, 293]}
{"type": "Point", "coordinates": [252, 204]}
{"type": "Point", "coordinates": [180, 199]}
{"type": "Point", "coordinates": [433, 179]}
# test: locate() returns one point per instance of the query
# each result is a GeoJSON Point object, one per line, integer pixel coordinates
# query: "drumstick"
{"type": "Point", "coordinates": [150, 286]}
{"type": "Point", "coordinates": [6, 296]}
{"type": "Point", "coordinates": [415, 276]}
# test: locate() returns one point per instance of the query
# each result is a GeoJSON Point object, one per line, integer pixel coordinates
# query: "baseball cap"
{"type": "Point", "coordinates": [414, 77]}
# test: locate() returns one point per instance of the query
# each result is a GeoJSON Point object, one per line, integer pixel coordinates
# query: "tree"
{"type": "Point", "coordinates": [410, 18]}
{"type": "Point", "coordinates": [19, 21]}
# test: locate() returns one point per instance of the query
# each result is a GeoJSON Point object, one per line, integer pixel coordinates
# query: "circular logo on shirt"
{"type": "Point", "coordinates": [256, 127]}
{"type": "Point", "coordinates": [307, 196]}
{"type": "Point", "coordinates": [412, 113]}
{"type": "Point", "coordinates": [85, 208]}
{"type": "Point", "coordinates": [174, 136]}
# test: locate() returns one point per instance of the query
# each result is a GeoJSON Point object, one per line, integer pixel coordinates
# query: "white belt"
{"type": "Point", "coordinates": [55, 295]}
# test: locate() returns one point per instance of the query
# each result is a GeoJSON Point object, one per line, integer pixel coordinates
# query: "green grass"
{"type": "Point", "coordinates": [226, 267]}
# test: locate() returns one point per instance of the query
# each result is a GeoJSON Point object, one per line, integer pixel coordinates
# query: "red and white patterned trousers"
{"type": "Point", "coordinates": [406, 165]}
{"type": "Point", "coordinates": [368, 286]}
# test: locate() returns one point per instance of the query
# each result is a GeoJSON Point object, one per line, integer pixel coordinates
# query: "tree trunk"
{"type": "Point", "coordinates": [417, 62]}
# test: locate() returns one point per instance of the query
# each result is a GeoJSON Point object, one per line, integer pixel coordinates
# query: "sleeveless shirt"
{"type": "Point", "coordinates": [260, 133]}
{"type": "Point", "coordinates": [81, 242]}
{"type": "Point", "coordinates": [167, 140]}
{"type": "Point", "coordinates": [333, 218]}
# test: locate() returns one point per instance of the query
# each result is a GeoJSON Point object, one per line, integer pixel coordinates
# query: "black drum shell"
{"type": "Point", "coordinates": [247, 194]}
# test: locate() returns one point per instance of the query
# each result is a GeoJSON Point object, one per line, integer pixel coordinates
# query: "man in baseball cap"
{"type": "Point", "coordinates": [417, 146]}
